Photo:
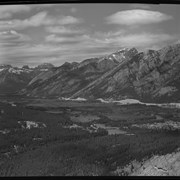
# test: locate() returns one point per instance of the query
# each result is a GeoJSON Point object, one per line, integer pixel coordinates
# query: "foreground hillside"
{"type": "Point", "coordinates": [150, 76]}
{"type": "Point", "coordinates": [43, 137]}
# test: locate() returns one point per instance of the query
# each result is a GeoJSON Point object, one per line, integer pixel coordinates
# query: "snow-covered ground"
{"type": "Point", "coordinates": [135, 101]}
{"type": "Point", "coordinates": [125, 102]}
{"type": "Point", "coordinates": [103, 101]}
{"type": "Point", "coordinates": [73, 126]}
{"type": "Point", "coordinates": [5, 131]}
{"type": "Point", "coordinates": [130, 101]}
{"type": "Point", "coordinates": [31, 124]}
{"type": "Point", "coordinates": [69, 99]}
{"type": "Point", "coordinates": [79, 99]}
{"type": "Point", "coordinates": [2, 69]}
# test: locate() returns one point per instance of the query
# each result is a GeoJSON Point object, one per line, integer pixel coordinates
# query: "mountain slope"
{"type": "Point", "coordinates": [148, 76]}
{"type": "Point", "coordinates": [151, 76]}
{"type": "Point", "coordinates": [70, 78]}
{"type": "Point", "coordinates": [13, 79]}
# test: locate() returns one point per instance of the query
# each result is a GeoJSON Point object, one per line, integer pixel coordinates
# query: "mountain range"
{"type": "Point", "coordinates": [149, 76]}
{"type": "Point", "coordinates": [13, 79]}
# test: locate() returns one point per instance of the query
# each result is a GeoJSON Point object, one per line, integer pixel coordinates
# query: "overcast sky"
{"type": "Point", "coordinates": [56, 33]}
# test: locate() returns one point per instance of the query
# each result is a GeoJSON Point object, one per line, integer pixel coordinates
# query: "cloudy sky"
{"type": "Point", "coordinates": [56, 33]}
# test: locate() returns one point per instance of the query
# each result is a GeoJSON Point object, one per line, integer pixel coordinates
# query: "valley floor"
{"type": "Point", "coordinates": [47, 137]}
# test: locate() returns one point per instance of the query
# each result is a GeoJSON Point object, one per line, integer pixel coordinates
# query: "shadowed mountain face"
{"type": "Point", "coordinates": [151, 76]}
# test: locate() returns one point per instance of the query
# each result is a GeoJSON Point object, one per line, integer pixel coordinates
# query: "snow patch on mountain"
{"type": "Point", "coordinates": [18, 71]}
{"type": "Point", "coordinates": [12, 70]}
{"type": "Point", "coordinates": [44, 69]}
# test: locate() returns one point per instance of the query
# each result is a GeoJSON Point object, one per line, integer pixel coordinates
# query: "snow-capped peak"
{"type": "Point", "coordinates": [123, 49]}
{"type": "Point", "coordinates": [12, 70]}
{"type": "Point", "coordinates": [18, 70]}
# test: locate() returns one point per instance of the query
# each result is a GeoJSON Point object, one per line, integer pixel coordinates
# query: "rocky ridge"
{"type": "Point", "coordinates": [157, 165]}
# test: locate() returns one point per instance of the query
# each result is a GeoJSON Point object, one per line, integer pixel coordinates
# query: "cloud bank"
{"type": "Point", "coordinates": [136, 17]}
{"type": "Point", "coordinates": [39, 19]}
